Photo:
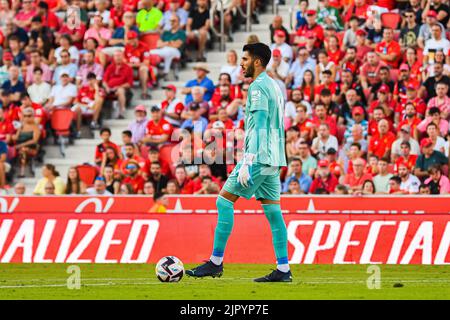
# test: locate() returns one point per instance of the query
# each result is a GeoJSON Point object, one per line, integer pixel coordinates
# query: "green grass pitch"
{"type": "Point", "coordinates": [108, 281]}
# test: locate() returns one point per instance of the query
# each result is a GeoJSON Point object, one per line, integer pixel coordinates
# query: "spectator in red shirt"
{"type": "Point", "coordinates": [133, 177]}
{"type": "Point", "coordinates": [355, 180]}
{"type": "Point", "coordinates": [223, 100]}
{"type": "Point", "coordinates": [370, 71]}
{"type": "Point", "coordinates": [130, 154]}
{"type": "Point", "coordinates": [159, 131]}
{"type": "Point", "coordinates": [322, 117]}
{"type": "Point", "coordinates": [410, 119]}
{"type": "Point", "coordinates": [406, 157]}
{"type": "Point", "coordinates": [138, 57]}
{"type": "Point", "coordinates": [389, 50]}
{"type": "Point", "coordinates": [185, 183]}
{"type": "Point", "coordinates": [105, 135]}
{"type": "Point", "coordinates": [311, 26]}
{"type": "Point", "coordinates": [49, 19]}
{"type": "Point", "coordinates": [118, 80]}
{"type": "Point", "coordinates": [324, 179]}
{"type": "Point", "coordinates": [89, 102]}
{"type": "Point", "coordinates": [172, 107]}
{"type": "Point", "coordinates": [6, 128]}
{"type": "Point", "coordinates": [380, 144]}
{"type": "Point", "coordinates": [359, 9]}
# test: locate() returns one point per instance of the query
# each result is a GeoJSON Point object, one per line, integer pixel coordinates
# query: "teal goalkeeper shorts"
{"type": "Point", "coordinates": [266, 183]}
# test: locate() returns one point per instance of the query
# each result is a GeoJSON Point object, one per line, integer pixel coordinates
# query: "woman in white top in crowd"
{"type": "Point", "coordinates": [233, 68]}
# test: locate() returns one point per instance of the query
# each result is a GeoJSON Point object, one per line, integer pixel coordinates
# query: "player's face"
{"type": "Point", "coordinates": [248, 65]}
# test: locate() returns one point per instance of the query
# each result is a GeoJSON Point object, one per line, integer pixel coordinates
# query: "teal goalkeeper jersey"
{"type": "Point", "coordinates": [265, 94]}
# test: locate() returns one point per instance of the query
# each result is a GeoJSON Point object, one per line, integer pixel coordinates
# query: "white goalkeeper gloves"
{"type": "Point", "coordinates": [245, 171]}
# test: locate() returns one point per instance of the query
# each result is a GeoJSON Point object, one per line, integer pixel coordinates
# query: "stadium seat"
{"type": "Point", "coordinates": [87, 174]}
{"type": "Point", "coordinates": [60, 122]}
{"type": "Point", "coordinates": [166, 155]}
{"type": "Point", "coordinates": [390, 20]}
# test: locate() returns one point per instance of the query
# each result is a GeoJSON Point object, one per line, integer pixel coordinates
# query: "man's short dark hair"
{"type": "Point", "coordinates": [397, 179]}
{"type": "Point", "coordinates": [105, 130]}
{"type": "Point", "coordinates": [325, 92]}
{"type": "Point", "coordinates": [260, 51]}
{"type": "Point", "coordinates": [128, 133]}
{"type": "Point", "coordinates": [38, 69]}
{"type": "Point", "coordinates": [91, 75]}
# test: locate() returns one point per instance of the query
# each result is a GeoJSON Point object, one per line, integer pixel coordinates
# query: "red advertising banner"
{"type": "Point", "coordinates": [140, 238]}
{"type": "Point", "coordinates": [207, 204]}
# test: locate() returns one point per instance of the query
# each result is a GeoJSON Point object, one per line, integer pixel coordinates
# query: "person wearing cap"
{"type": "Point", "coordinates": [324, 178]}
{"type": "Point", "coordinates": [99, 188]}
{"type": "Point", "coordinates": [425, 29]}
{"type": "Point", "coordinates": [428, 158]}
{"type": "Point", "coordinates": [98, 31]}
{"type": "Point", "coordinates": [329, 16]}
{"type": "Point", "coordinates": [310, 26]}
{"type": "Point", "coordinates": [138, 126]}
{"type": "Point", "coordinates": [171, 44]}
{"type": "Point", "coordinates": [201, 70]}
{"type": "Point", "coordinates": [148, 17]}
{"type": "Point", "coordinates": [172, 107]}
{"type": "Point", "coordinates": [280, 44]}
{"type": "Point", "coordinates": [133, 177]}
{"type": "Point", "coordinates": [357, 118]}
{"type": "Point", "coordinates": [63, 94]}
{"type": "Point", "coordinates": [404, 136]}
{"type": "Point", "coordinates": [278, 67]}
{"type": "Point", "coordinates": [66, 66]}
{"type": "Point", "coordinates": [381, 143]}
{"type": "Point", "coordinates": [159, 131]}
{"type": "Point", "coordinates": [296, 173]}
{"type": "Point", "coordinates": [14, 85]}
{"type": "Point", "coordinates": [138, 57]}
{"type": "Point", "coordinates": [438, 41]}
{"type": "Point", "coordinates": [194, 120]}
{"type": "Point", "coordinates": [174, 8]}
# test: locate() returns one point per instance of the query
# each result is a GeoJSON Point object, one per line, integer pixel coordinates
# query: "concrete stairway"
{"type": "Point", "coordinates": [83, 150]}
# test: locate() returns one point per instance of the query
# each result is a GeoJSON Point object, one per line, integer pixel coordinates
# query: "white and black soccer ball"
{"type": "Point", "coordinates": [169, 269]}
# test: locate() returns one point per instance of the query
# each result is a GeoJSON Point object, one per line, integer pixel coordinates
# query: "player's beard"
{"type": "Point", "coordinates": [250, 71]}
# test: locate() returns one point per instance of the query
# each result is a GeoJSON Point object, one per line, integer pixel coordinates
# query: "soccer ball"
{"type": "Point", "coordinates": [169, 269]}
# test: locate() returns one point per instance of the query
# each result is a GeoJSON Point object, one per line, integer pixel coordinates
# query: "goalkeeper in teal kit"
{"type": "Point", "coordinates": [258, 174]}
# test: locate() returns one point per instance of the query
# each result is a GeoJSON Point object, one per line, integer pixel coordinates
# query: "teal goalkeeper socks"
{"type": "Point", "coordinates": [279, 233]}
{"type": "Point", "coordinates": [225, 221]}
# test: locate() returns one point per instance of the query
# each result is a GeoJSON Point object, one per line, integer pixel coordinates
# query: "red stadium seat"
{"type": "Point", "coordinates": [87, 173]}
{"type": "Point", "coordinates": [167, 155]}
{"type": "Point", "coordinates": [394, 73]}
{"type": "Point", "coordinates": [61, 120]}
{"type": "Point", "coordinates": [390, 20]}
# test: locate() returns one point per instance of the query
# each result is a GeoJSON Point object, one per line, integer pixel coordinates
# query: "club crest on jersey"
{"type": "Point", "coordinates": [256, 95]}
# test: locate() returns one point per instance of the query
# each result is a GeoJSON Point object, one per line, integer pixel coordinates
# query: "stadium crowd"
{"type": "Point", "coordinates": [366, 86]}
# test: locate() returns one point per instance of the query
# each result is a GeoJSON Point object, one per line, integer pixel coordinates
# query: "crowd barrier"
{"type": "Point", "coordinates": [321, 230]}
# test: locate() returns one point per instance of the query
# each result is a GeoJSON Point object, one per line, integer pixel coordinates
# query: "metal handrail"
{"type": "Point", "coordinates": [220, 34]}
{"type": "Point", "coordinates": [275, 6]}
{"type": "Point", "coordinates": [247, 16]}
